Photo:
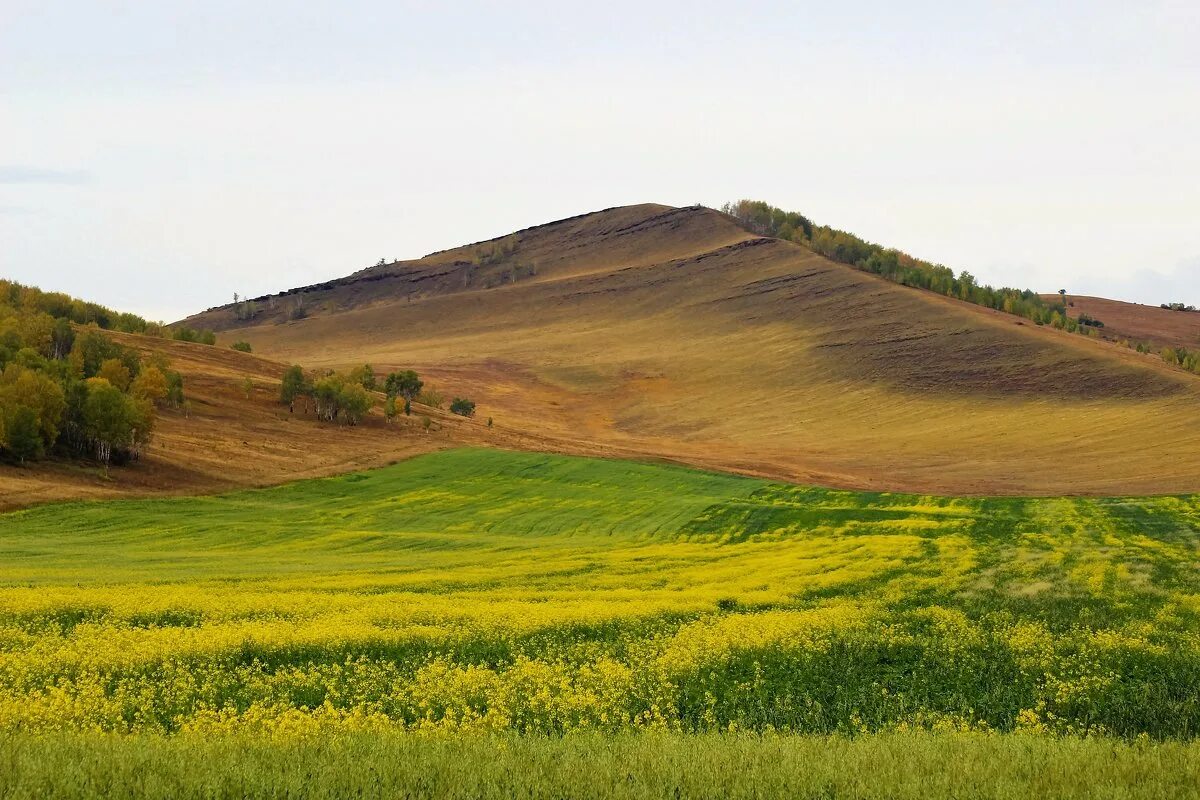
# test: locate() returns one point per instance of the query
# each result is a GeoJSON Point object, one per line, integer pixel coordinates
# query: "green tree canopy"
{"type": "Point", "coordinates": [355, 402]}
{"type": "Point", "coordinates": [22, 437]}
{"type": "Point", "coordinates": [294, 384]}
{"type": "Point", "coordinates": [405, 384]}
{"type": "Point", "coordinates": [462, 406]}
{"type": "Point", "coordinates": [107, 417]}
{"type": "Point", "coordinates": [364, 376]}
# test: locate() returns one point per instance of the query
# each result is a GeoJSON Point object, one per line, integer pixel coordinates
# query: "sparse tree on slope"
{"type": "Point", "coordinates": [364, 376]}
{"type": "Point", "coordinates": [406, 384]}
{"type": "Point", "coordinates": [355, 402]}
{"type": "Point", "coordinates": [293, 386]}
{"type": "Point", "coordinates": [327, 392]}
{"type": "Point", "coordinates": [150, 385]}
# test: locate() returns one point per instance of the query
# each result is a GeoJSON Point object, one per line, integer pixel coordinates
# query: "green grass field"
{"type": "Point", "coordinates": [888, 766]}
{"type": "Point", "coordinates": [499, 602]}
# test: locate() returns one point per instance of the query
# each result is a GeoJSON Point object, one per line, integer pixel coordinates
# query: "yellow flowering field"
{"type": "Point", "coordinates": [482, 590]}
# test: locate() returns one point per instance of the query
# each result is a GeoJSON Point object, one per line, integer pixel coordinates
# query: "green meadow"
{"type": "Point", "coordinates": [642, 766]}
{"type": "Point", "coordinates": [483, 617]}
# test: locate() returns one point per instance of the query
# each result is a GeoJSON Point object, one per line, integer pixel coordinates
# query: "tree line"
{"type": "Point", "coordinates": [1182, 357]}
{"type": "Point", "coordinates": [68, 388]}
{"type": "Point", "coordinates": [899, 267]}
{"type": "Point", "coordinates": [846, 248]}
{"type": "Point", "coordinates": [60, 306]}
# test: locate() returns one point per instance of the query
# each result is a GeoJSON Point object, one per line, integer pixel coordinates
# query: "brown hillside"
{"type": "Point", "coordinates": [227, 440]}
{"type": "Point", "coordinates": [1138, 323]}
{"type": "Point", "coordinates": [631, 236]}
{"type": "Point", "coordinates": [673, 333]}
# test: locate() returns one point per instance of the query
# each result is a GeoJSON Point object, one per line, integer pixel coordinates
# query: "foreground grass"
{"type": "Point", "coordinates": [477, 590]}
{"type": "Point", "coordinates": [649, 765]}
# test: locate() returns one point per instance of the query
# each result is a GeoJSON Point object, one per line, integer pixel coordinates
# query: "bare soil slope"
{"type": "Point", "coordinates": [673, 333]}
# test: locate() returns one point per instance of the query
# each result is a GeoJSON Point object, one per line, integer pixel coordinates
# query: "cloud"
{"type": "Point", "coordinates": [22, 174]}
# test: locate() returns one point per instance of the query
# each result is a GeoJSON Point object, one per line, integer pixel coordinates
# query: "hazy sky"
{"type": "Point", "coordinates": [159, 156]}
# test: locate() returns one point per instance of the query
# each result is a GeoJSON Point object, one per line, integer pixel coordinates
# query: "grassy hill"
{"type": "Point", "coordinates": [674, 333]}
{"type": "Point", "coordinates": [493, 592]}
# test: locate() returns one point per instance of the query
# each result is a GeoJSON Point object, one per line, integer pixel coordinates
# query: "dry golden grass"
{"type": "Point", "coordinates": [227, 439]}
{"type": "Point", "coordinates": [672, 333]}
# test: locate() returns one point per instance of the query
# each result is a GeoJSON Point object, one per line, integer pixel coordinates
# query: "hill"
{"type": "Point", "coordinates": [227, 438]}
{"type": "Point", "coordinates": [673, 333]}
{"type": "Point", "coordinates": [1135, 322]}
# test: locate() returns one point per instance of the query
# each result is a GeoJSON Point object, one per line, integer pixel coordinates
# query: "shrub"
{"type": "Point", "coordinates": [241, 346]}
{"type": "Point", "coordinates": [462, 406]}
{"type": "Point", "coordinates": [431, 397]}
{"type": "Point", "coordinates": [186, 334]}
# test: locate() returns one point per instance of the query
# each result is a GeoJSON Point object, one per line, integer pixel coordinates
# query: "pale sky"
{"type": "Point", "coordinates": [159, 156]}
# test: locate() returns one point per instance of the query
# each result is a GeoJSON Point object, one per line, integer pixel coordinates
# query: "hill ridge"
{"type": "Point", "coordinates": [453, 270]}
{"type": "Point", "coordinates": [544, 225]}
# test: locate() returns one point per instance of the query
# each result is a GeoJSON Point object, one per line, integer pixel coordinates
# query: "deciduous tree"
{"type": "Point", "coordinates": [22, 437]}
{"type": "Point", "coordinates": [150, 385]}
{"type": "Point", "coordinates": [116, 373]}
{"type": "Point", "coordinates": [294, 385]}
{"type": "Point", "coordinates": [405, 384]}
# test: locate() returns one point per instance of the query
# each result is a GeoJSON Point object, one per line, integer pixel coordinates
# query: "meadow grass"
{"type": "Point", "coordinates": [560, 608]}
{"type": "Point", "coordinates": [916, 766]}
